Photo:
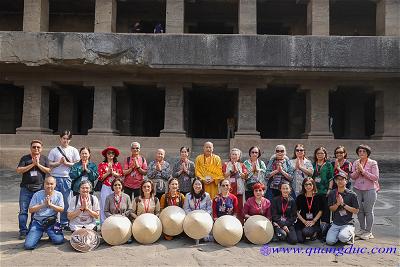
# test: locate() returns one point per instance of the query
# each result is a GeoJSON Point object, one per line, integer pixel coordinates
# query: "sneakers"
{"type": "Point", "coordinates": [22, 236]}
{"type": "Point", "coordinates": [209, 238]}
{"type": "Point", "coordinates": [360, 232]}
{"type": "Point", "coordinates": [367, 235]}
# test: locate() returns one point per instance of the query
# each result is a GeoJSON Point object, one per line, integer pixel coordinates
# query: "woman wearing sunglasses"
{"type": "Point", "coordinates": [279, 170]}
{"type": "Point", "coordinates": [255, 170]}
{"type": "Point", "coordinates": [225, 203]}
{"type": "Point", "coordinates": [309, 211]}
{"type": "Point", "coordinates": [341, 164]}
{"type": "Point", "coordinates": [302, 167]}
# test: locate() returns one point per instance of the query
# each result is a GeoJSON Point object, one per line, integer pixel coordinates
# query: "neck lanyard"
{"type": "Point", "coordinates": [259, 206]}
{"type": "Point", "coordinates": [309, 205]}
{"type": "Point", "coordinates": [363, 165]}
{"type": "Point", "coordinates": [146, 207]}
{"type": "Point", "coordinates": [172, 200]}
{"type": "Point", "coordinates": [284, 208]}
{"type": "Point", "coordinates": [117, 202]}
{"type": "Point", "coordinates": [197, 203]}
{"type": "Point", "coordinates": [318, 169]}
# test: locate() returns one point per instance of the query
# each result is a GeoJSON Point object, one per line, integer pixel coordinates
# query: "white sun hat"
{"type": "Point", "coordinates": [198, 224]}
{"type": "Point", "coordinates": [147, 228]}
{"type": "Point", "coordinates": [258, 230]}
{"type": "Point", "coordinates": [172, 218]}
{"type": "Point", "coordinates": [116, 230]}
{"type": "Point", "coordinates": [227, 230]}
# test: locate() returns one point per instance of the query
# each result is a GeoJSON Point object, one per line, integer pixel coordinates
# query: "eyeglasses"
{"type": "Point", "coordinates": [110, 153]}
{"type": "Point", "coordinates": [135, 148]}
{"type": "Point", "coordinates": [36, 147]}
{"type": "Point", "coordinates": [308, 184]}
{"type": "Point", "coordinates": [339, 152]}
{"type": "Point", "coordinates": [299, 150]}
{"type": "Point", "coordinates": [279, 151]}
{"type": "Point", "coordinates": [254, 152]}
{"type": "Point", "coordinates": [225, 185]}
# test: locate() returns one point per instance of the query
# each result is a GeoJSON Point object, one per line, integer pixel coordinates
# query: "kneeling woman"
{"type": "Point", "coordinates": [84, 208]}
{"type": "Point", "coordinates": [147, 202]}
{"type": "Point", "coordinates": [309, 211]}
{"type": "Point", "coordinates": [257, 205]}
{"type": "Point", "coordinates": [225, 203]}
{"type": "Point", "coordinates": [118, 202]}
{"type": "Point", "coordinates": [284, 215]}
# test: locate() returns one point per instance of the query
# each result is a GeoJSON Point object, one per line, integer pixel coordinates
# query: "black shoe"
{"type": "Point", "coordinates": [66, 228]}
{"type": "Point", "coordinates": [22, 236]}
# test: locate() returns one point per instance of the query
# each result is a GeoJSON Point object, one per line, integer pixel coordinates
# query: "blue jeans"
{"type": "Point", "coordinates": [64, 187]}
{"type": "Point", "coordinates": [343, 233]}
{"type": "Point", "coordinates": [25, 197]}
{"type": "Point", "coordinates": [35, 234]}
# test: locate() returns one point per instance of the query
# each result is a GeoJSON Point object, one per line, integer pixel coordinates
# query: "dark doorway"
{"type": "Point", "coordinates": [353, 113]}
{"type": "Point", "coordinates": [209, 107]}
{"type": "Point", "coordinates": [280, 112]}
{"type": "Point", "coordinates": [11, 106]}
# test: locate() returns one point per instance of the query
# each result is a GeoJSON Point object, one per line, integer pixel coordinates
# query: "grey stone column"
{"type": "Point", "coordinates": [388, 17]}
{"type": "Point", "coordinates": [35, 115]}
{"type": "Point", "coordinates": [36, 16]}
{"type": "Point", "coordinates": [66, 112]}
{"type": "Point", "coordinates": [318, 17]}
{"type": "Point", "coordinates": [247, 16]}
{"type": "Point", "coordinates": [105, 16]}
{"type": "Point", "coordinates": [247, 112]}
{"type": "Point", "coordinates": [317, 112]}
{"type": "Point", "coordinates": [174, 103]}
{"type": "Point", "coordinates": [175, 16]}
{"type": "Point", "coordinates": [387, 113]}
{"type": "Point", "coordinates": [104, 110]}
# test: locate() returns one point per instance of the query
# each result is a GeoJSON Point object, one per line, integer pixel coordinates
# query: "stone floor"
{"type": "Point", "coordinates": [184, 252]}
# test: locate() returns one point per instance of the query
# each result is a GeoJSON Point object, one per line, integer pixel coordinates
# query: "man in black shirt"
{"type": "Point", "coordinates": [33, 168]}
{"type": "Point", "coordinates": [343, 204]}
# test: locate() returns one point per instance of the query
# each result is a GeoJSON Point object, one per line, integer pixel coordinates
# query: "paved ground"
{"type": "Point", "coordinates": [182, 251]}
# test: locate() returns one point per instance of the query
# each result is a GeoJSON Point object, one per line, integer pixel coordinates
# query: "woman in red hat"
{"type": "Point", "coordinates": [109, 169]}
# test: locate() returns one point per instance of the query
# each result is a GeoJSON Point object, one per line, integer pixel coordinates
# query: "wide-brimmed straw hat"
{"type": "Point", "coordinates": [116, 230]}
{"type": "Point", "coordinates": [147, 228]}
{"type": "Point", "coordinates": [172, 218]}
{"type": "Point", "coordinates": [198, 224]}
{"type": "Point", "coordinates": [227, 230]}
{"type": "Point", "coordinates": [114, 149]}
{"type": "Point", "coordinates": [258, 230]}
{"type": "Point", "coordinates": [85, 240]}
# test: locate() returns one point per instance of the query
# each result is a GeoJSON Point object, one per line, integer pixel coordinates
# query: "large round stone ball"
{"type": "Point", "coordinates": [147, 228]}
{"type": "Point", "coordinates": [258, 230]}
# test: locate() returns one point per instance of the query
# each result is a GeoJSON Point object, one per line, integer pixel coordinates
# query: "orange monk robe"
{"type": "Point", "coordinates": [209, 166]}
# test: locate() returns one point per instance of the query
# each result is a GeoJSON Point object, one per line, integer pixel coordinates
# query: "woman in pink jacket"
{"type": "Point", "coordinates": [365, 175]}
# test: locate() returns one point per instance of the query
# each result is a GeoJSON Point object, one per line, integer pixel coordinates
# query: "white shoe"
{"type": "Point", "coordinates": [366, 236]}
{"type": "Point", "coordinates": [360, 232]}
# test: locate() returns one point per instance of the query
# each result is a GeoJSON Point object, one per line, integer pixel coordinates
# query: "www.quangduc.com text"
{"type": "Point", "coordinates": [337, 251]}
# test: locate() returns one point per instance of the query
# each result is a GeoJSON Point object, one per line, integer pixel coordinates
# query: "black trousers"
{"type": "Point", "coordinates": [291, 237]}
{"type": "Point", "coordinates": [303, 233]}
{"type": "Point", "coordinates": [132, 193]}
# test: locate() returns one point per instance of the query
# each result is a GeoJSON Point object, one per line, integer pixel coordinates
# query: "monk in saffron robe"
{"type": "Point", "coordinates": [209, 168]}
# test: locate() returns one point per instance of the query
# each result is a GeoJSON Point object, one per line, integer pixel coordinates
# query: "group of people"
{"type": "Point", "coordinates": [303, 199]}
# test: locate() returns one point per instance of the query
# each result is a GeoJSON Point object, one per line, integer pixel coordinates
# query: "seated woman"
{"type": "Point", "coordinates": [257, 205]}
{"type": "Point", "coordinates": [198, 198]}
{"type": "Point", "coordinates": [184, 170]}
{"type": "Point", "coordinates": [84, 208]}
{"type": "Point", "coordinates": [284, 215]}
{"type": "Point", "coordinates": [279, 170]}
{"type": "Point", "coordinates": [309, 211]}
{"type": "Point", "coordinates": [225, 203]}
{"type": "Point", "coordinates": [146, 202]}
{"type": "Point", "coordinates": [236, 172]}
{"type": "Point", "coordinates": [83, 170]}
{"type": "Point", "coordinates": [118, 202]}
{"type": "Point", "coordinates": [172, 198]}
